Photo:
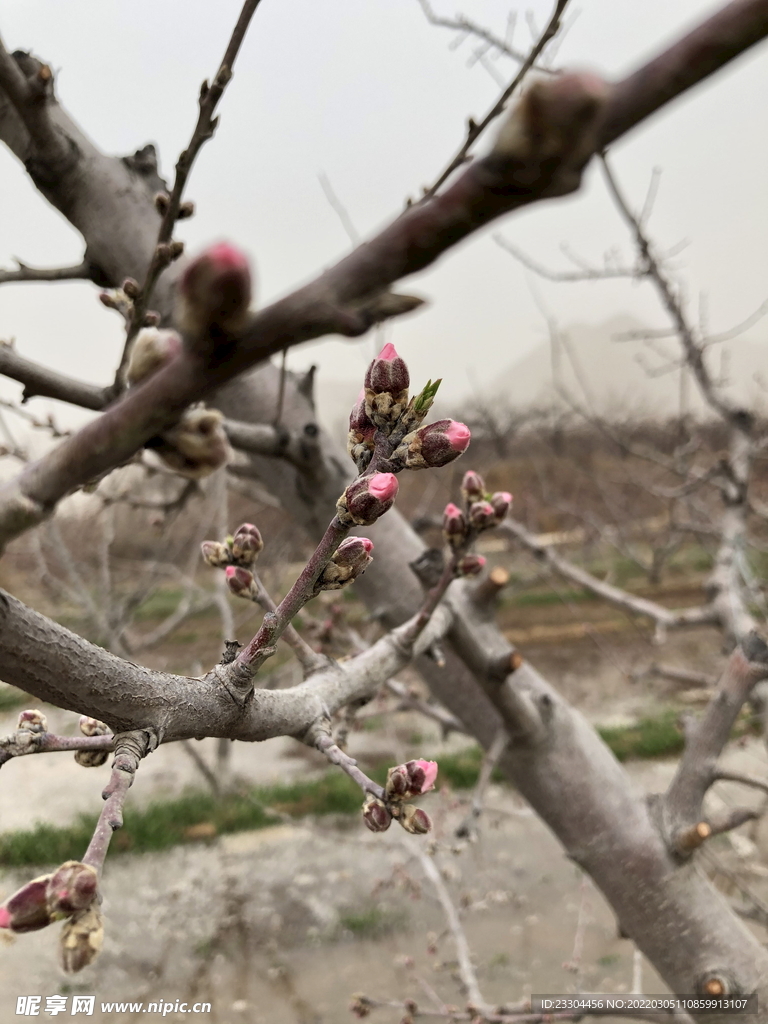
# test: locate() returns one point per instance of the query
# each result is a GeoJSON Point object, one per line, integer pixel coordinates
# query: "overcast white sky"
{"type": "Point", "coordinates": [370, 94]}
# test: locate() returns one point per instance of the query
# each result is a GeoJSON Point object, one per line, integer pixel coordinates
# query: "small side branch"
{"type": "Point", "coordinates": [130, 748]}
{"type": "Point", "coordinates": [682, 805]}
{"type": "Point", "coordinates": [80, 272]}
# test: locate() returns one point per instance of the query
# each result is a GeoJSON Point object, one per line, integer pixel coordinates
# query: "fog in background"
{"type": "Point", "coordinates": [371, 95]}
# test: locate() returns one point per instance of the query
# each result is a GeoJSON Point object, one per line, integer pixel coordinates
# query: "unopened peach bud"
{"type": "Point", "coordinates": [186, 210]}
{"type": "Point", "coordinates": [131, 288]}
{"type": "Point", "coordinates": [353, 551]}
{"type": "Point", "coordinates": [214, 554]}
{"type": "Point", "coordinates": [350, 560]}
{"type": "Point", "coordinates": [247, 543]}
{"type": "Point", "coordinates": [471, 565]}
{"type": "Point", "coordinates": [501, 502]}
{"type": "Point", "coordinates": [387, 372]}
{"type": "Point", "coordinates": [239, 580]}
{"type": "Point", "coordinates": [215, 290]}
{"type": "Point", "coordinates": [375, 815]}
{"type": "Point", "coordinates": [197, 445]}
{"type": "Point", "coordinates": [421, 776]}
{"type": "Point", "coordinates": [152, 318]}
{"type": "Point", "coordinates": [162, 202]}
{"type": "Point", "coordinates": [415, 820]}
{"type": "Point", "coordinates": [151, 350]}
{"type": "Point", "coordinates": [27, 910]}
{"type": "Point", "coordinates": [473, 486]}
{"type": "Point", "coordinates": [81, 939]}
{"type": "Point", "coordinates": [92, 726]}
{"type": "Point", "coordinates": [482, 515]}
{"type": "Point", "coordinates": [91, 758]}
{"type": "Point", "coordinates": [360, 1007]}
{"type": "Point", "coordinates": [72, 887]}
{"type": "Point", "coordinates": [434, 445]}
{"type": "Point", "coordinates": [454, 525]}
{"type": "Point", "coordinates": [361, 434]}
{"type": "Point", "coordinates": [367, 498]}
{"type": "Point", "coordinates": [398, 784]}
{"type": "Point", "coordinates": [32, 720]}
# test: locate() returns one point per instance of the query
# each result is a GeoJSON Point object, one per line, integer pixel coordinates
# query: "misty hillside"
{"type": "Point", "coordinates": [630, 378]}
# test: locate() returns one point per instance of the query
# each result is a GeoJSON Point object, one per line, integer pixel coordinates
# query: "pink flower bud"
{"type": "Point", "coordinates": [71, 887]}
{"type": "Point", "coordinates": [387, 373]}
{"type": "Point", "coordinates": [471, 565]}
{"type": "Point", "coordinates": [422, 775]}
{"type": "Point", "coordinates": [350, 560]}
{"type": "Point", "coordinates": [239, 580]}
{"type": "Point", "coordinates": [501, 502]}
{"type": "Point", "coordinates": [410, 779]}
{"type": "Point", "coordinates": [247, 543]}
{"type": "Point", "coordinates": [415, 821]}
{"type": "Point", "coordinates": [215, 554]}
{"type": "Point", "coordinates": [215, 290]}
{"type": "Point", "coordinates": [482, 515]}
{"type": "Point", "coordinates": [454, 525]}
{"type": "Point", "coordinates": [368, 498]}
{"type": "Point", "coordinates": [32, 720]}
{"type": "Point", "coordinates": [434, 445]}
{"type": "Point", "coordinates": [27, 909]}
{"type": "Point", "coordinates": [353, 550]}
{"type": "Point", "coordinates": [473, 486]}
{"type": "Point", "coordinates": [375, 815]}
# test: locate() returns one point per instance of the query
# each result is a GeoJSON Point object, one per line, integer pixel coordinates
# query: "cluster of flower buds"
{"type": "Point", "coordinates": [433, 445]}
{"type": "Point", "coordinates": [241, 549]}
{"type": "Point", "coordinates": [482, 512]}
{"type": "Point", "coordinates": [48, 898]}
{"type": "Point", "coordinates": [92, 758]}
{"type": "Point", "coordinates": [404, 782]}
{"type": "Point", "coordinates": [366, 499]}
{"type": "Point", "coordinates": [350, 560]}
{"type": "Point", "coordinates": [214, 292]}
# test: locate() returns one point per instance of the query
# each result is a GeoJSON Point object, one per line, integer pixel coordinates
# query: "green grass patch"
{"type": "Point", "coordinates": [11, 698]}
{"type": "Point", "coordinates": [370, 922]}
{"type": "Point", "coordinates": [656, 736]}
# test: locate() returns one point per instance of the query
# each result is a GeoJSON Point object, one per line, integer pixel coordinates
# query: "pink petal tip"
{"type": "Point", "coordinates": [458, 435]}
{"type": "Point", "coordinates": [383, 486]}
{"type": "Point", "coordinates": [388, 353]}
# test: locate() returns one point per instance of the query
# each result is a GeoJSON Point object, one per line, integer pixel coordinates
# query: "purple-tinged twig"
{"type": "Point", "coordinates": [23, 742]}
{"type": "Point", "coordinates": [309, 659]}
{"type": "Point", "coordinates": [130, 748]}
{"type": "Point", "coordinates": [476, 128]}
{"type": "Point", "coordinates": [80, 272]}
{"type": "Point", "coordinates": [324, 743]}
{"type": "Point", "coordinates": [203, 131]}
